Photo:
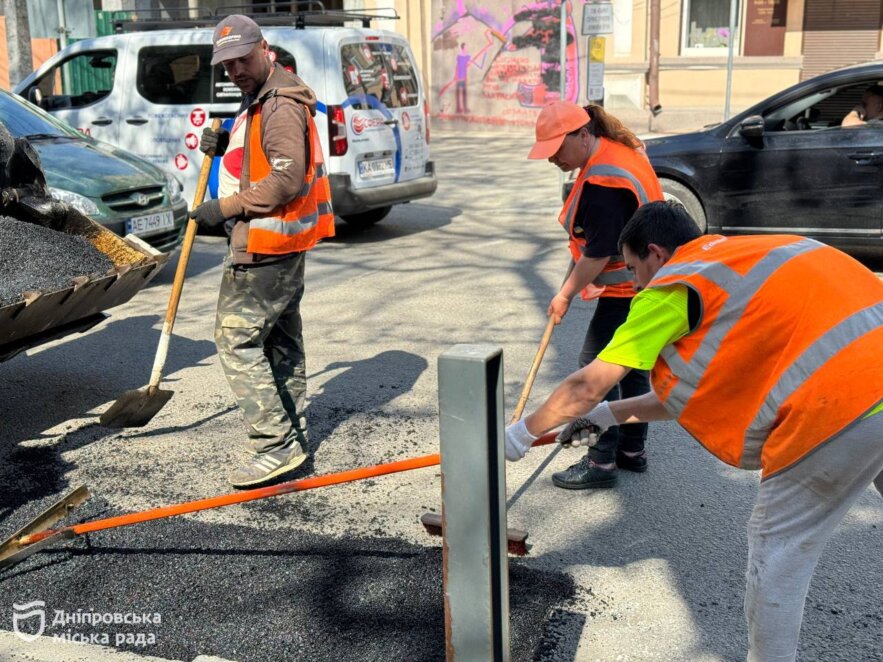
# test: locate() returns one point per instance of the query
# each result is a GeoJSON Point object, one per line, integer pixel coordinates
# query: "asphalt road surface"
{"type": "Point", "coordinates": [651, 570]}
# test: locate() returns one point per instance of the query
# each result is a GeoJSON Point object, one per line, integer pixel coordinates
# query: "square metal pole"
{"type": "Point", "coordinates": [476, 566]}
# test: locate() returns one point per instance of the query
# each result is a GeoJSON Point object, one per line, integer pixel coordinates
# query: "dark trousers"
{"type": "Point", "coordinates": [610, 313]}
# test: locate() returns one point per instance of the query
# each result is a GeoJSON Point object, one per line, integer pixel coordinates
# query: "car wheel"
{"type": "Point", "coordinates": [367, 218]}
{"type": "Point", "coordinates": [676, 191]}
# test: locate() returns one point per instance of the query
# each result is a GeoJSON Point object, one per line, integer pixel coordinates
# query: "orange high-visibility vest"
{"type": "Point", "coordinates": [616, 166]}
{"type": "Point", "coordinates": [298, 225]}
{"type": "Point", "coordinates": [788, 351]}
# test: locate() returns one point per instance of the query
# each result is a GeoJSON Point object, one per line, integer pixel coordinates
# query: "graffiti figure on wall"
{"type": "Point", "coordinates": [461, 68]}
{"type": "Point", "coordinates": [518, 57]}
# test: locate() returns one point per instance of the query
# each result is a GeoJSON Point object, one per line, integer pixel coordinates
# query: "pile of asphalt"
{"type": "Point", "coordinates": [253, 594]}
{"type": "Point", "coordinates": [37, 258]}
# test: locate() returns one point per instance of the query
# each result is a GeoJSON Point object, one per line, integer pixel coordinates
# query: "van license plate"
{"type": "Point", "coordinates": [141, 225]}
{"type": "Point", "coordinates": [376, 168]}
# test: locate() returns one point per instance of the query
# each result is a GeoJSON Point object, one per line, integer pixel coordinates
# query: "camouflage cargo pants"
{"type": "Point", "coordinates": [259, 335]}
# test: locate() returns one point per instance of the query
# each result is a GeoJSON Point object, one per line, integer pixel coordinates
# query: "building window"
{"type": "Point", "coordinates": [706, 27]}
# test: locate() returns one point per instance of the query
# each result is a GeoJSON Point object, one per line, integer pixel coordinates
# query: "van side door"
{"type": "Point", "coordinates": [85, 89]}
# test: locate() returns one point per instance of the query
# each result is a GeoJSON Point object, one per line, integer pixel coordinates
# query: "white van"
{"type": "Point", "coordinates": [153, 90]}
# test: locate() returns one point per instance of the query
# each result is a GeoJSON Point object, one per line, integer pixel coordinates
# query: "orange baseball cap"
{"type": "Point", "coordinates": [553, 123]}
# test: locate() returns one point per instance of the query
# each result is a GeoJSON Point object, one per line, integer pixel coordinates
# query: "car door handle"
{"type": "Point", "coordinates": [102, 121]}
{"type": "Point", "coordinates": [136, 120]}
{"type": "Point", "coordinates": [867, 158]}
{"type": "Point", "coordinates": [391, 122]}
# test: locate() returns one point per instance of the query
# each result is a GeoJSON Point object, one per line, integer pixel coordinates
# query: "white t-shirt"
{"type": "Point", "coordinates": [231, 162]}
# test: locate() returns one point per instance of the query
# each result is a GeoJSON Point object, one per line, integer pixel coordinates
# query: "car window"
{"type": "Point", "coordinates": [822, 109]}
{"type": "Point", "coordinates": [379, 70]}
{"type": "Point", "coordinates": [23, 119]}
{"type": "Point", "coordinates": [78, 81]}
{"type": "Point", "coordinates": [175, 74]}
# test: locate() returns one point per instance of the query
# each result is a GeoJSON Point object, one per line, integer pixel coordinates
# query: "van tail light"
{"type": "Point", "coordinates": [337, 141]}
{"type": "Point", "coordinates": [426, 118]}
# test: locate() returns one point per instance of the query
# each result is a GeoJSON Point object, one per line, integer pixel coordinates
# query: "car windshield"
{"type": "Point", "coordinates": [23, 120]}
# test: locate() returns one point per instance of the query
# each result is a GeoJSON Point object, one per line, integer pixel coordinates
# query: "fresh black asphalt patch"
{"type": "Point", "coordinates": [261, 595]}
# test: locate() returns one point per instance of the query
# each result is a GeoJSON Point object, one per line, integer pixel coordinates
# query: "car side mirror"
{"type": "Point", "coordinates": [752, 126]}
{"type": "Point", "coordinates": [35, 96]}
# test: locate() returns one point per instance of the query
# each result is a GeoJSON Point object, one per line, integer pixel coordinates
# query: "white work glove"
{"type": "Point", "coordinates": [518, 441]}
{"type": "Point", "coordinates": [586, 430]}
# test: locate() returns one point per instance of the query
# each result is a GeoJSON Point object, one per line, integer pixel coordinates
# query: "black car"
{"type": "Point", "coordinates": [785, 165]}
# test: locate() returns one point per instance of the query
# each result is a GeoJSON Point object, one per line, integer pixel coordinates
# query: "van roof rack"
{"type": "Point", "coordinates": [304, 13]}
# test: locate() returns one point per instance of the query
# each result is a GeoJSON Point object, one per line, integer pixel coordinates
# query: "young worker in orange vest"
{"type": "Point", "coordinates": [275, 201]}
{"type": "Point", "coordinates": [809, 414]}
{"type": "Point", "coordinates": [615, 178]}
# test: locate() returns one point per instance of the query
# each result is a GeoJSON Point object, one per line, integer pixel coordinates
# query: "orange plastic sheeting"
{"type": "Point", "coordinates": [41, 50]}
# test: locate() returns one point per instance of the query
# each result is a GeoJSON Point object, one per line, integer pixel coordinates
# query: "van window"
{"type": "Point", "coordinates": [224, 90]}
{"type": "Point", "coordinates": [78, 81]}
{"type": "Point", "coordinates": [175, 74]}
{"type": "Point", "coordinates": [382, 71]}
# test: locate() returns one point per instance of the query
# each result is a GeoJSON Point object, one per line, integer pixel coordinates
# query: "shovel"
{"type": "Point", "coordinates": [135, 409]}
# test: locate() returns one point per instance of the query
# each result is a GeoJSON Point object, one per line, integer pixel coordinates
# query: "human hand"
{"type": "Point", "coordinates": [214, 141]}
{"type": "Point", "coordinates": [558, 307]}
{"type": "Point", "coordinates": [518, 441]}
{"type": "Point", "coordinates": [208, 214]}
{"type": "Point", "coordinates": [586, 430]}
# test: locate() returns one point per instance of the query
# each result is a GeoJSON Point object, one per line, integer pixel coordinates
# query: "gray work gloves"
{"type": "Point", "coordinates": [214, 141]}
{"type": "Point", "coordinates": [585, 430]}
{"type": "Point", "coordinates": [518, 441]}
{"type": "Point", "coordinates": [208, 214]}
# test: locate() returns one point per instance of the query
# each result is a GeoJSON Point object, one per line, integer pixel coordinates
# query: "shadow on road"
{"type": "Point", "coordinates": [360, 387]}
{"type": "Point", "coordinates": [67, 382]}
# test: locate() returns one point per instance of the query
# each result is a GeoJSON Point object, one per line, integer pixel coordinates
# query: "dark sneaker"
{"type": "Point", "coordinates": [638, 463]}
{"type": "Point", "coordinates": [263, 467]}
{"type": "Point", "coordinates": [584, 475]}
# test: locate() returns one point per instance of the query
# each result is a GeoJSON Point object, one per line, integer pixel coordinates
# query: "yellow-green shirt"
{"type": "Point", "coordinates": [657, 317]}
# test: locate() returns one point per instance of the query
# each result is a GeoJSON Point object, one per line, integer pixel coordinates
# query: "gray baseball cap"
{"type": "Point", "coordinates": [235, 37]}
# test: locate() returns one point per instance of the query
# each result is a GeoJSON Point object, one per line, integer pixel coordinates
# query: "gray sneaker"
{"type": "Point", "coordinates": [263, 467]}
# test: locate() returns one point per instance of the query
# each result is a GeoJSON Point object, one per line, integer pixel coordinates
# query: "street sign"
{"type": "Point", "coordinates": [597, 18]}
{"type": "Point", "coordinates": [595, 82]}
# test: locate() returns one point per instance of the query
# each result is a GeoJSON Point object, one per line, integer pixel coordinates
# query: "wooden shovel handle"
{"type": "Point", "coordinates": [537, 360]}
{"type": "Point", "coordinates": [183, 259]}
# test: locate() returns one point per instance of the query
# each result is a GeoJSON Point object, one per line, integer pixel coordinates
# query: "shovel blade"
{"type": "Point", "coordinates": [12, 551]}
{"type": "Point", "coordinates": [135, 409]}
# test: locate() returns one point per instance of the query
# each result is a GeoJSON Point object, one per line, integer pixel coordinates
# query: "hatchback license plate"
{"type": "Point", "coordinates": [374, 168]}
{"type": "Point", "coordinates": [141, 225]}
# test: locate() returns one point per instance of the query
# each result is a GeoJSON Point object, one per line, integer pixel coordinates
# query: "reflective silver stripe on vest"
{"type": "Point", "coordinates": [288, 228]}
{"type": "Point", "coordinates": [810, 360]}
{"type": "Point", "coordinates": [325, 208]}
{"type": "Point", "coordinates": [614, 277]}
{"type": "Point", "coordinates": [741, 289]}
{"type": "Point", "coordinates": [615, 171]}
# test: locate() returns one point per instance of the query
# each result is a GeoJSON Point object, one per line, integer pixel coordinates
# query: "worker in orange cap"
{"type": "Point", "coordinates": [615, 178]}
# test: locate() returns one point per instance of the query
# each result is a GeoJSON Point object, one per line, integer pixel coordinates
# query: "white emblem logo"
{"type": "Point", "coordinates": [22, 613]}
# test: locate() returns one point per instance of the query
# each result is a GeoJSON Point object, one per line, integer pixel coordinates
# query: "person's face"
{"type": "Point", "coordinates": [872, 106]}
{"type": "Point", "coordinates": [249, 72]}
{"type": "Point", "coordinates": [644, 270]}
{"type": "Point", "coordinates": [574, 151]}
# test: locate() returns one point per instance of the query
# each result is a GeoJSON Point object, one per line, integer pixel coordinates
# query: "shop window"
{"type": "Point", "coordinates": [706, 27]}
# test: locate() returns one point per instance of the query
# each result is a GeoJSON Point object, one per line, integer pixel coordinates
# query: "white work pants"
{"type": "Point", "coordinates": [795, 514]}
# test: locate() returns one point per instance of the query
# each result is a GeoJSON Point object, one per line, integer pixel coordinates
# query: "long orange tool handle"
{"type": "Point", "coordinates": [251, 495]}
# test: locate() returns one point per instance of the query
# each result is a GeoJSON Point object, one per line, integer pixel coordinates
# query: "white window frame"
{"type": "Point", "coordinates": [710, 52]}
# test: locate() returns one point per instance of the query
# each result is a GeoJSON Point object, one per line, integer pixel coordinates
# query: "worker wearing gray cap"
{"type": "Point", "coordinates": [275, 203]}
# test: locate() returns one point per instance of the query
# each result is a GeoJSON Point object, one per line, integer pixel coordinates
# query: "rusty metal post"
{"type": "Point", "coordinates": [476, 569]}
